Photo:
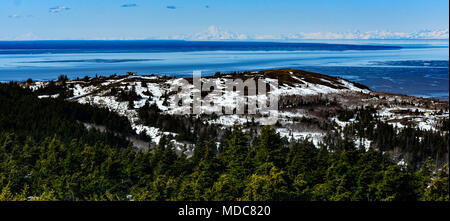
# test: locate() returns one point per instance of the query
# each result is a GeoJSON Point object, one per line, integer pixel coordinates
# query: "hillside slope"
{"type": "Point", "coordinates": [310, 106]}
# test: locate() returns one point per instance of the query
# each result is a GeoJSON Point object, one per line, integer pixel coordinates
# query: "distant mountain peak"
{"type": "Point", "coordinates": [216, 33]}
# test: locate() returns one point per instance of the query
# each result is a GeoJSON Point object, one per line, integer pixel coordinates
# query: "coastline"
{"type": "Point", "coordinates": [419, 68]}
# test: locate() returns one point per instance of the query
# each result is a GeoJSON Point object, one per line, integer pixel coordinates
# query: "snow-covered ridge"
{"type": "Point", "coordinates": [304, 97]}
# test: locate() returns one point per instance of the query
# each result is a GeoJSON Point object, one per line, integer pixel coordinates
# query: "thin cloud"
{"type": "Point", "coordinates": [58, 9]}
{"type": "Point", "coordinates": [206, 6]}
{"type": "Point", "coordinates": [14, 16]}
{"type": "Point", "coordinates": [129, 5]}
{"type": "Point", "coordinates": [171, 7]}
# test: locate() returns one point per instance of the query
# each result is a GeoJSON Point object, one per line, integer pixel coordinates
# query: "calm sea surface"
{"type": "Point", "coordinates": [413, 67]}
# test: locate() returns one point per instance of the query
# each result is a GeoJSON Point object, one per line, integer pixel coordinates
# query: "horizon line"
{"type": "Point", "coordinates": [236, 40]}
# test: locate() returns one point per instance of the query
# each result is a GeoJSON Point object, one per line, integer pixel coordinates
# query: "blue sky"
{"type": "Point", "coordinates": [138, 19]}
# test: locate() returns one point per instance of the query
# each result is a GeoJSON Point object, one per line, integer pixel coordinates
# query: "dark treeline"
{"type": "Point", "coordinates": [268, 169]}
{"type": "Point", "coordinates": [47, 154]}
{"type": "Point", "coordinates": [188, 128]}
{"type": "Point", "coordinates": [23, 113]}
{"type": "Point", "coordinates": [411, 143]}
{"type": "Point", "coordinates": [54, 87]}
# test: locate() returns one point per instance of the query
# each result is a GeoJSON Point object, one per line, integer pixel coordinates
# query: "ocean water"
{"type": "Point", "coordinates": [413, 67]}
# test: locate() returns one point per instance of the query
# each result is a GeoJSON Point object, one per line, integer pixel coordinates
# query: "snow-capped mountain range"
{"type": "Point", "coordinates": [216, 33]}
